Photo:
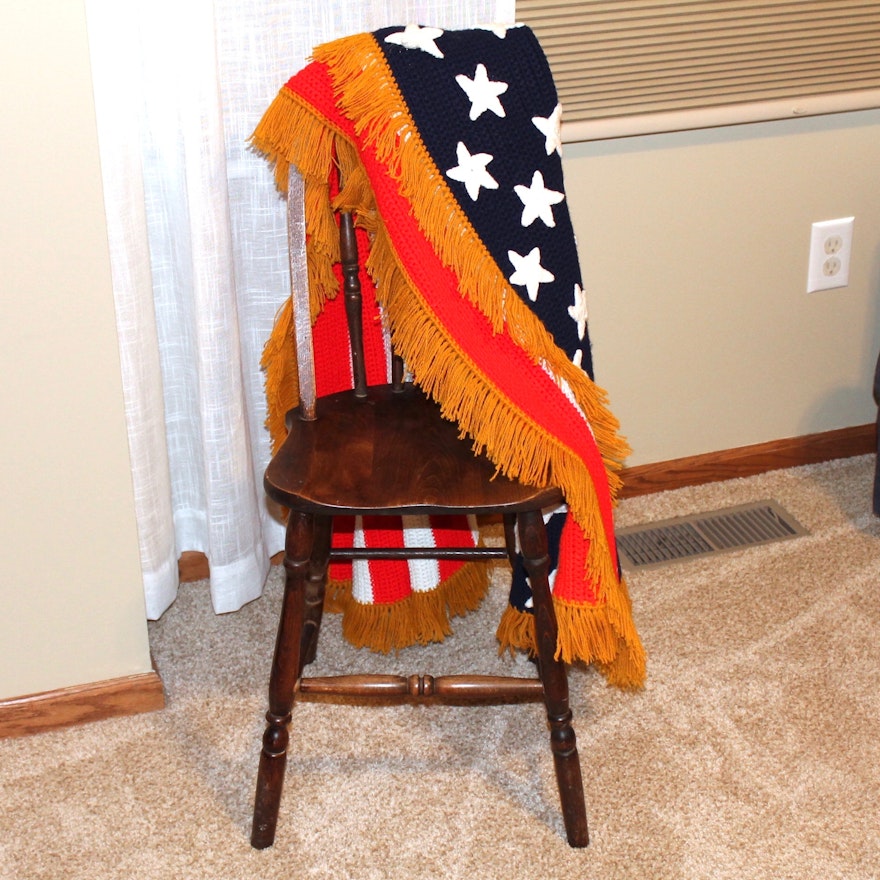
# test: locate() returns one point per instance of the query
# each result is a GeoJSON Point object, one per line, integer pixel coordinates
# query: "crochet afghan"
{"type": "Point", "coordinates": [446, 146]}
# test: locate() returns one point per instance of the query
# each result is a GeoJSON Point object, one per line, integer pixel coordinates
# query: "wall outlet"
{"type": "Point", "coordinates": [830, 249]}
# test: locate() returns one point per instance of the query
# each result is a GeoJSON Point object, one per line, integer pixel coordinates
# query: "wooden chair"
{"type": "Point", "coordinates": [386, 450]}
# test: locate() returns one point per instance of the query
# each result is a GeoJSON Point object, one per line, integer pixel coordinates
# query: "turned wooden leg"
{"type": "Point", "coordinates": [509, 520]}
{"type": "Point", "coordinates": [316, 587]}
{"type": "Point", "coordinates": [533, 545]}
{"type": "Point", "coordinates": [285, 672]}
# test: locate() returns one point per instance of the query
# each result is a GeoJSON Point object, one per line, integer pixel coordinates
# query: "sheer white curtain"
{"type": "Point", "coordinates": [197, 246]}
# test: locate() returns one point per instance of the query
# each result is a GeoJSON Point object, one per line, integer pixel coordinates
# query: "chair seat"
{"type": "Point", "coordinates": [389, 452]}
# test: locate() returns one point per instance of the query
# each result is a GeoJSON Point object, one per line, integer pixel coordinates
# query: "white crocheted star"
{"type": "Point", "coordinates": [551, 578]}
{"type": "Point", "coordinates": [551, 127]}
{"type": "Point", "coordinates": [471, 171]}
{"type": "Point", "coordinates": [414, 36]}
{"type": "Point", "coordinates": [482, 92]}
{"type": "Point", "coordinates": [578, 312]}
{"type": "Point", "coordinates": [538, 201]}
{"type": "Point", "coordinates": [529, 271]}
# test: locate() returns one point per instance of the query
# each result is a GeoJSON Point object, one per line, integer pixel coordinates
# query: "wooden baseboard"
{"type": "Point", "coordinates": [746, 461]}
{"type": "Point", "coordinates": [193, 566]}
{"type": "Point", "coordinates": [711, 467]}
{"type": "Point", "coordinates": [37, 713]}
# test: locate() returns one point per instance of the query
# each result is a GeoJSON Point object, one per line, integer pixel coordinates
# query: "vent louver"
{"type": "Point", "coordinates": [686, 537]}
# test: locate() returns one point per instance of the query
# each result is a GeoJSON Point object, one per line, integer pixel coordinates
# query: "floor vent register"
{"type": "Point", "coordinates": [719, 531]}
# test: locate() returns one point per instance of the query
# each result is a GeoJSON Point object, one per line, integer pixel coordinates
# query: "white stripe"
{"type": "Point", "coordinates": [361, 582]}
{"type": "Point", "coordinates": [424, 574]}
{"type": "Point", "coordinates": [475, 528]}
{"type": "Point", "coordinates": [565, 388]}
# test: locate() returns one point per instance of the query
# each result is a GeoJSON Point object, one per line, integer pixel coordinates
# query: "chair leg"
{"type": "Point", "coordinates": [509, 520]}
{"type": "Point", "coordinates": [286, 667]}
{"type": "Point", "coordinates": [316, 587]}
{"type": "Point", "coordinates": [533, 545]}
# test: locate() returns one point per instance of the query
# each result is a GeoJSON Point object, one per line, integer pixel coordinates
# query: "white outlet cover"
{"type": "Point", "coordinates": [830, 251]}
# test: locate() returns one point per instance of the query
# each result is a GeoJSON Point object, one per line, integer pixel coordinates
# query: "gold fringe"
{"type": "Point", "coordinates": [526, 450]}
{"type": "Point", "coordinates": [337, 596]}
{"type": "Point", "coordinates": [598, 634]}
{"type": "Point", "coordinates": [516, 631]}
{"type": "Point", "coordinates": [281, 375]}
{"type": "Point", "coordinates": [420, 618]}
{"type": "Point", "coordinates": [284, 140]}
{"type": "Point", "coordinates": [585, 633]}
{"type": "Point", "coordinates": [291, 134]}
{"type": "Point", "coordinates": [465, 590]}
{"type": "Point", "coordinates": [417, 619]}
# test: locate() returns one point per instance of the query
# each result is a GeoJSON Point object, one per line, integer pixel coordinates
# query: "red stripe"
{"type": "Point", "coordinates": [343, 536]}
{"type": "Point", "coordinates": [390, 578]}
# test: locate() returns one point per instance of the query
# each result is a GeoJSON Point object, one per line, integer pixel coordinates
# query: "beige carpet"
{"type": "Point", "coordinates": [754, 751]}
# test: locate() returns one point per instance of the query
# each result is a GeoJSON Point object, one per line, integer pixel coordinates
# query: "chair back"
{"type": "Point", "coordinates": [299, 290]}
{"type": "Point", "coordinates": [350, 262]}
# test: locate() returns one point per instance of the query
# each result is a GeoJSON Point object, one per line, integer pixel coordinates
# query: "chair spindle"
{"type": "Point", "coordinates": [353, 301]}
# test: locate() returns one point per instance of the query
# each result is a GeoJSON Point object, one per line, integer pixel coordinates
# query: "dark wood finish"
{"type": "Point", "coordinates": [353, 302]}
{"type": "Point", "coordinates": [65, 707]}
{"type": "Point", "coordinates": [316, 581]}
{"type": "Point", "coordinates": [362, 455]}
{"type": "Point", "coordinates": [286, 670]}
{"type": "Point", "coordinates": [386, 450]}
{"type": "Point", "coordinates": [462, 554]}
{"type": "Point", "coordinates": [397, 372]}
{"type": "Point", "coordinates": [533, 544]}
{"type": "Point", "coordinates": [427, 688]}
{"type": "Point", "coordinates": [746, 461]}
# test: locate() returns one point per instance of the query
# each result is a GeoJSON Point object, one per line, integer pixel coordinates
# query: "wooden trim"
{"type": "Point", "coordinates": [746, 461]}
{"type": "Point", "coordinates": [193, 566]}
{"type": "Point", "coordinates": [50, 710]}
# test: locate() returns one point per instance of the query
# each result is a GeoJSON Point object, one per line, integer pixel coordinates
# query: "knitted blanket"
{"type": "Point", "coordinates": [446, 146]}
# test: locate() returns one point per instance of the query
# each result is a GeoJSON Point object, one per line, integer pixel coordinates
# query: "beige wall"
{"type": "Point", "coordinates": [71, 600]}
{"type": "Point", "coordinates": [694, 249]}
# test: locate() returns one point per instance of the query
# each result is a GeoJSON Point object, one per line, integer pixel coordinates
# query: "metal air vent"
{"type": "Point", "coordinates": [686, 537]}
